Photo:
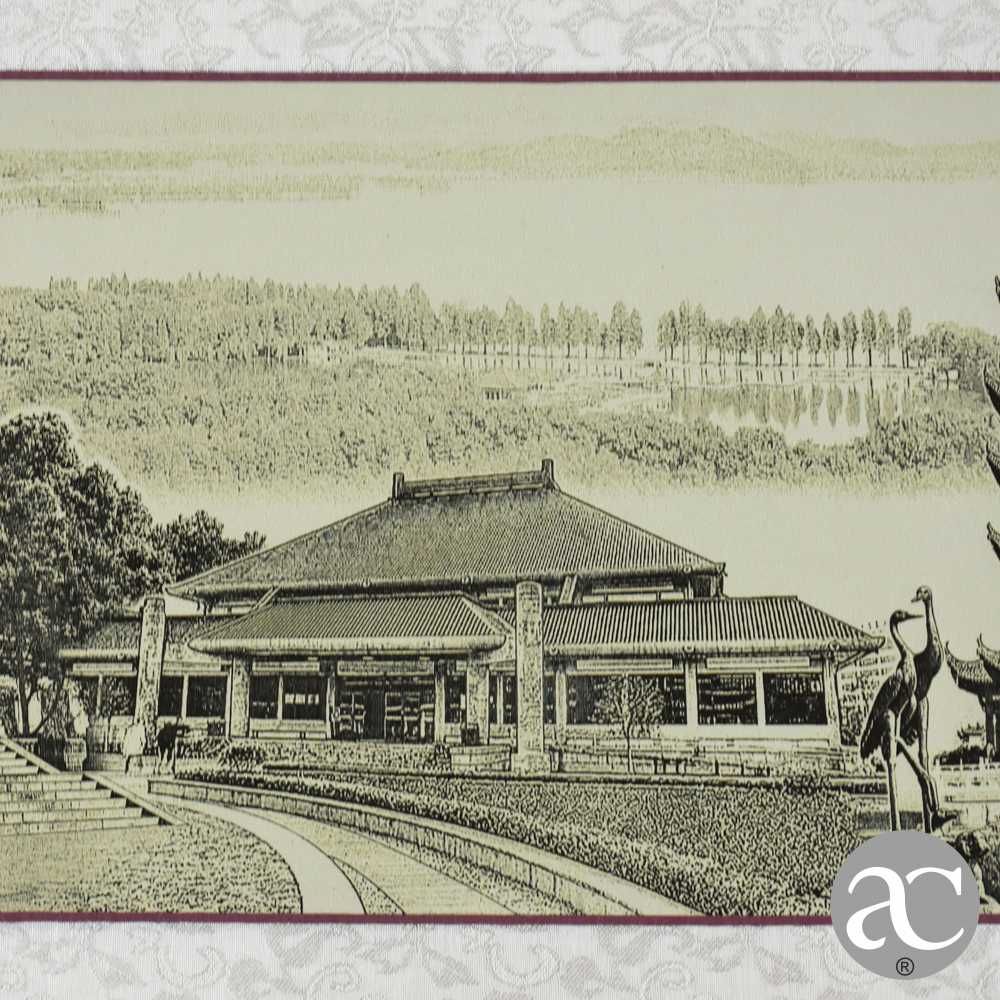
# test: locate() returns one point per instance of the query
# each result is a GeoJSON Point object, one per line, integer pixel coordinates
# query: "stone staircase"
{"type": "Point", "coordinates": [37, 798]}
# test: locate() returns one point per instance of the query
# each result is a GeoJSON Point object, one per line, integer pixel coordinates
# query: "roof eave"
{"type": "Point", "coordinates": [718, 648]}
{"type": "Point", "coordinates": [90, 655]}
{"type": "Point", "coordinates": [364, 646]}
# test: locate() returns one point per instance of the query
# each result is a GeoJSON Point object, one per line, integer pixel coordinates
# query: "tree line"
{"type": "Point", "coordinates": [688, 334]}
{"type": "Point", "coordinates": [229, 319]}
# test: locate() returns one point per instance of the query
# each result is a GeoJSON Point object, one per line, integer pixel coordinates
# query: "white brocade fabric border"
{"type": "Point", "coordinates": [499, 36]}
{"type": "Point", "coordinates": [399, 962]}
{"type": "Point", "coordinates": [182, 961]}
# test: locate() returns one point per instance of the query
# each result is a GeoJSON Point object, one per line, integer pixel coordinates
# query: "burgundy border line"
{"type": "Point", "coordinates": [503, 920]}
{"type": "Point", "coordinates": [785, 76]}
{"type": "Point", "coordinates": [756, 76]}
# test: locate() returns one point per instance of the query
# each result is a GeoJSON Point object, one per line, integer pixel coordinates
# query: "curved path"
{"type": "Point", "coordinates": [311, 849]}
{"type": "Point", "coordinates": [413, 886]}
{"type": "Point", "coordinates": [323, 887]}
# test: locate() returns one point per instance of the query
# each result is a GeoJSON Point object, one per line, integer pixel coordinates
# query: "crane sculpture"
{"type": "Point", "coordinates": [928, 664]}
{"type": "Point", "coordinates": [893, 708]}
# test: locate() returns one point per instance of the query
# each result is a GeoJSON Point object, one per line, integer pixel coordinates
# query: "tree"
{"type": "Point", "coordinates": [850, 331]}
{"type": "Point", "coordinates": [633, 704]}
{"type": "Point", "coordinates": [885, 335]}
{"type": "Point", "coordinates": [777, 333]}
{"type": "Point", "coordinates": [831, 338]}
{"type": "Point", "coordinates": [618, 326]}
{"type": "Point", "coordinates": [667, 335]}
{"type": "Point", "coordinates": [813, 340]}
{"type": "Point", "coordinates": [794, 335]}
{"type": "Point", "coordinates": [76, 547]}
{"type": "Point", "coordinates": [904, 330]}
{"type": "Point", "coordinates": [868, 332]}
{"type": "Point", "coordinates": [196, 543]}
{"type": "Point", "coordinates": [758, 333]}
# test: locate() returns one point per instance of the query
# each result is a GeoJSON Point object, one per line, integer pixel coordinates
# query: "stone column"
{"type": "Point", "coordinates": [440, 676]}
{"type": "Point", "coordinates": [758, 680]}
{"type": "Point", "coordinates": [239, 698]}
{"type": "Point", "coordinates": [562, 711]}
{"type": "Point", "coordinates": [331, 699]}
{"type": "Point", "coordinates": [691, 692]}
{"type": "Point", "coordinates": [152, 638]}
{"type": "Point", "coordinates": [831, 700]}
{"type": "Point", "coordinates": [529, 756]}
{"type": "Point", "coordinates": [477, 698]}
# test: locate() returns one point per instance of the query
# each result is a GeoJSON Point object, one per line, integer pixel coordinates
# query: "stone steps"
{"type": "Point", "coordinates": [35, 798]}
{"type": "Point", "coordinates": [78, 825]}
{"type": "Point", "coordinates": [109, 809]}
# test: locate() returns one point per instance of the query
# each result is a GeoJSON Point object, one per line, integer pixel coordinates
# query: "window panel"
{"type": "Point", "coordinates": [583, 692]}
{"type": "Point", "coordinates": [263, 696]}
{"type": "Point", "coordinates": [794, 699]}
{"type": "Point", "coordinates": [727, 699]}
{"type": "Point", "coordinates": [454, 698]}
{"type": "Point", "coordinates": [171, 696]}
{"type": "Point", "coordinates": [672, 687]}
{"type": "Point", "coordinates": [303, 697]}
{"type": "Point", "coordinates": [549, 699]}
{"type": "Point", "coordinates": [206, 697]}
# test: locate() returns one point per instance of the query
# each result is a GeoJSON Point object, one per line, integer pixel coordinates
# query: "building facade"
{"type": "Point", "coordinates": [488, 612]}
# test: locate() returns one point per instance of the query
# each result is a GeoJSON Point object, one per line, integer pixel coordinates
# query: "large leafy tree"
{"type": "Point", "coordinates": [76, 547]}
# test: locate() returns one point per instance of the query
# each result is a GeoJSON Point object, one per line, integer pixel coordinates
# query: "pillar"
{"type": "Point", "coordinates": [831, 700]}
{"type": "Point", "coordinates": [477, 698]}
{"type": "Point", "coordinates": [562, 711]}
{"type": "Point", "coordinates": [239, 698]}
{"type": "Point", "coordinates": [758, 680]}
{"type": "Point", "coordinates": [529, 756]}
{"type": "Point", "coordinates": [440, 678]}
{"type": "Point", "coordinates": [691, 692]}
{"type": "Point", "coordinates": [331, 699]}
{"type": "Point", "coordinates": [152, 638]}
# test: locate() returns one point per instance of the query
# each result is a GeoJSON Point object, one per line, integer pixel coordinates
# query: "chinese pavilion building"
{"type": "Point", "coordinates": [487, 611]}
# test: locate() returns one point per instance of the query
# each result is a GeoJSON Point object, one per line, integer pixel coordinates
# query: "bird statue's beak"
{"type": "Point", "coordinates": [909, 617]}
{"type": "Point", "coordinates": [917, 599]}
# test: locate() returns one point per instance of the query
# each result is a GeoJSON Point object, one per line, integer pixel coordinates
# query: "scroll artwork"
{"type": "Point", "coordinates": [494, 500]}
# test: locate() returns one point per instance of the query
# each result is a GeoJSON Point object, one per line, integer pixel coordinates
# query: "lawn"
{"type": "Point", "coordinates": [199, 865]}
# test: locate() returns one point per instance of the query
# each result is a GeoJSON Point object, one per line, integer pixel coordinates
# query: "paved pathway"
{"type": "Point", "coordinates": [412, 885]}
{"type": "Point", "coordinates": [324, 888]}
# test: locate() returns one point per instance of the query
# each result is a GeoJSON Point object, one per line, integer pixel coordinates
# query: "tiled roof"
{"type": "Point", "coordinates": [710, 626]}
{"type": "Point", "coordinates": [454, 532]}
{"type": "Point", "coordinates": [119, 638]}
{"type": "Point", "coordinates": [114, 640]}
{"type": "Point", "coordinates": [377, 623]}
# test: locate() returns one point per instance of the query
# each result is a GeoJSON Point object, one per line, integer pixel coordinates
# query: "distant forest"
{"type": "Point", "coordinates": [202, 383]}
{"type": "Point", "coordinates": [234, 320]}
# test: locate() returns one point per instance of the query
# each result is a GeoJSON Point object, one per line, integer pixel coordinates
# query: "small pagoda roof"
{"type": "Point", "coordinates": [974, 676]}
{"type": "Point", "coordinates": [450, 534]}
{"type": "Point", "coordinates": [361, 625]}
{"type": "Point", "coordinates": [711, 626]}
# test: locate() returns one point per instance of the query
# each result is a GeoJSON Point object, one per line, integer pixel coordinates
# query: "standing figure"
{"type": "Point", "coordinates": [892, 710]}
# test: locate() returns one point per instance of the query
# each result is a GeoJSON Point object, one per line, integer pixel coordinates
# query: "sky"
{"type": "Point", "coordinates": [482, 192]}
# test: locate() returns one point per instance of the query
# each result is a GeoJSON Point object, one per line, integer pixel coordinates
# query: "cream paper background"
{"type": "Point", "coordinates": [92, 961]}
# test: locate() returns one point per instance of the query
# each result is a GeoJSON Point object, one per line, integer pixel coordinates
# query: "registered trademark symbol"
{"type": "Point", "coordinates": [905, 966]}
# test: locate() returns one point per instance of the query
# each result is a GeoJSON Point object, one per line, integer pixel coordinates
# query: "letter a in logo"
{"type": "Point", "coordinates": [905, 905]}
